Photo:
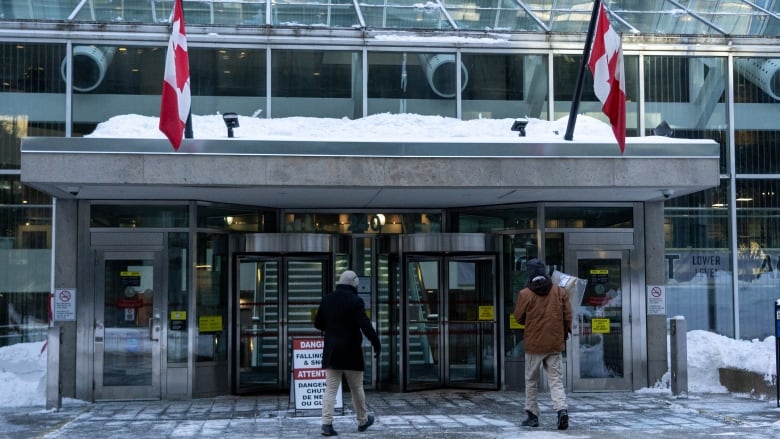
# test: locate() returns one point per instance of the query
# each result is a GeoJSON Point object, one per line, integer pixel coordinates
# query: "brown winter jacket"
{"type": "Point", "coordinates": [546, 312]}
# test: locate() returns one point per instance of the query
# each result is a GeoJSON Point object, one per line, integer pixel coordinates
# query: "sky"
{"type": "Point", "coordinates": [379, 127]}
{"type": "Point", "coordinates": [23, 367]}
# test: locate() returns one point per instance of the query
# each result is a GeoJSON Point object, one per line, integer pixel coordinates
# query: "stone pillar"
{"type": "Point", "coordinates": [655, 274]}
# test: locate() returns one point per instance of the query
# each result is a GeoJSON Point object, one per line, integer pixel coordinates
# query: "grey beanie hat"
{"type": "Point", "coordinates": [350, 278]}
{"type": "Point", "coordinates": [535, 267]}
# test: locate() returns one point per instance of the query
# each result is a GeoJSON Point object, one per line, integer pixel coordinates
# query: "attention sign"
{"type": "Point", "coordinates": [308, 374]}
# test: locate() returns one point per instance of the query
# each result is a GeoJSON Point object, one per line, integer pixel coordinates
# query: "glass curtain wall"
{"type": "Point", "coordinates": [413, 82]}
{"type": "Point", "coordinates": [505, 86]}
{"type": "Point", "coordinates": [757, 165]}
{"type": "Point", "coordinates": [118, 79]}
{"type": "Point", "coordinates": [32, 103]}
{"type": "Point", "coordinates": [317, 83]}
{"type": "Point", "coordinates": [688, 94]}
{"type": "Point", "coordinates": [25, 270]}
{"type": "Point", "coordinates": [565, 71]}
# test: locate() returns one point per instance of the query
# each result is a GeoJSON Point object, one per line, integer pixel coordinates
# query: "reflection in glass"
{"type": "Point", "coordinates": [258, 322]}
{"type": "Point", "coordinates": [689, 94]}
{"type": "Point", "coordinates": [565, 71]}
{"type": "Point", "coordinates": [211, 287]}
{"type": "Point", "coordinates": [129, 298]}
{"type": "Point", "coordinates": [422, 323]}
{"type": "Point", "coordinates": [178, 297]}
{"type": "Point", "coordinates": [757, 96]}
{"type": "Point", "coordinates": [698, 265]}
{"type": "Point", "coordinates": [32, 96]}
{"type": "Point", "coordinates": [317, 83]}
{"type": "Point", "coordinates": [404, 14]}
{"type": "Point", "coordinates": [758, 255]}
{"type": "Point", "coordinates": [410, 82]}
{"type": "Point", "coordinates": [332, 13]}
{"type": "Point", "coordinates": [600, 315]}
{"type": "Point", "coordinates": [505, 86]}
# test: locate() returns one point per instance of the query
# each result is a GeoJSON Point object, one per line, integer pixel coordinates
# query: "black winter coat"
{"type": "Point", "coordinates": [342, 316]}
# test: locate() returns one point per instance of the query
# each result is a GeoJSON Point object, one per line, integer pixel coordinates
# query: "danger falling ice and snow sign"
{"type": "Point", "coordinates": [308, 374]}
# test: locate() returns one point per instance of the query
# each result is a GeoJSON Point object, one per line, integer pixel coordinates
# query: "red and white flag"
{"type": "Point", "coordinates": [176, 99]}
{"type": "Point", "coordinates": [609, 78]}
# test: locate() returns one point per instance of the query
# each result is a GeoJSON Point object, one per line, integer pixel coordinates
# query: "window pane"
{"type": "Point", "coordinates": [113, 215]}
{"type": "Point", "coordinates": [565, 70]}
{"type": "Point", "coordinates": [212, 297]}
{"type": "Point", "coordinates": [756, 111]}
{"type": "Point", "coordinates": [698, 261]}
{"type": "Point", "coordinates": [758, 231]}
{"type": "Point", "coordinates": [117, 80]}
{"type": "Point", "coordinates": [32, 96]}
{"type": "Point", "coordinates": [419, 83]}
{"type": "Point", "coordinates": [688, 94]}
{"type": "Point", "coordinates": [316, 84]}
{"type": "Point", "coordinates": [505, 86]}
{"type": "Point", "coordinates": [25, 221]}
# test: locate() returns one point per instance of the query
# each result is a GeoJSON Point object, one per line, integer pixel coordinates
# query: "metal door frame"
{"type": "Point", "coordinates": [443, 261]}
{"type": "Point", "coordinates": [577, 384]}
{"type": "Point", "coordinates": [283, 334]}
{"type": "Point", "coordinates": [129, 392]}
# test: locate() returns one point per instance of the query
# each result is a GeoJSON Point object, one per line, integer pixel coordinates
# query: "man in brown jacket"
{"type": "Point", "coordinates": [546, 312]}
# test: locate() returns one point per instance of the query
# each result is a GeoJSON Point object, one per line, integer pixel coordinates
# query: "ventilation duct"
{"type": "Point", "coordinates": [89, 66]}
{"type": "Point", "coordinates": [440, 73]}
{"type": "Point", "coordinates": [764, 73]}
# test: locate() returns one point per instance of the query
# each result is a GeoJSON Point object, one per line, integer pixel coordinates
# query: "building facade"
{"type": "Point", "coordinates": [192, 271]}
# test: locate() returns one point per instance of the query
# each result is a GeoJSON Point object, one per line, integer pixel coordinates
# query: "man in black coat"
{"type": "Point", "coordinates": [342, 317]}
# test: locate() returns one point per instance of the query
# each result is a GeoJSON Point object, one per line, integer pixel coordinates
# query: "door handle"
{"type": "Point", "coordinates": [99, 332]}
{"type": "Point", "coordinates": [154, 328]}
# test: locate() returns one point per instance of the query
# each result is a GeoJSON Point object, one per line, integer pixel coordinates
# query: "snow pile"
{"type": "Point", "coordinates": [23, 375]}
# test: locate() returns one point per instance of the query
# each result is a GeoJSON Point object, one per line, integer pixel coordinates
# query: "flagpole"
{"type": "Point", "coordinates": [575, 102]}
{"type": "Point", "coordinates": [188, 126]}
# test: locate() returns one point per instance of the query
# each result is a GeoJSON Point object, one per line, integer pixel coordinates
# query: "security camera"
{"type": "Point", "coordinates": [73, 190]}
{"type": "Point", "coordinates": [667, 193]}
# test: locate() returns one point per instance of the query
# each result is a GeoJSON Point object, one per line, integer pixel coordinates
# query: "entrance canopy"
{"type": "Point", "coordinates": [363, 174]}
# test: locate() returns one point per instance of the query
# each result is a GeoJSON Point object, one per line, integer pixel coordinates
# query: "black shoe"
{"type": "Point", "coordinates": [327, 430]}
{"type": "Point", "coordinates": [369, 422]}
{"type": "Point", "coordinates": [563, 419]}
{"type": "Point", "coordinates": [531, 421]}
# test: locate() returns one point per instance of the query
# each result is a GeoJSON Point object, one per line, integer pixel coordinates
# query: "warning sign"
{"type": "Point", "coordinates": [308, 375]}
{"type": "Point", "coordinates": [599, 326]}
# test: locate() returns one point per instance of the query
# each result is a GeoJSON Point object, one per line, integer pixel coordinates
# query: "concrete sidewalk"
{"type": "Point", "coordinates": [428, 414]}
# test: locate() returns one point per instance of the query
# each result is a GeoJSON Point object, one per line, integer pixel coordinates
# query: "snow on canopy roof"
{"type": "Point", "coordinates": [379, 127]}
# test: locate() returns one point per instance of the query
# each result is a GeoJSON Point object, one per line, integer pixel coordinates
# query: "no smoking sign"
{"type": "Point", "coordinates": [656, 300]}
{"type": "Point", "coordinates": [64, 304]}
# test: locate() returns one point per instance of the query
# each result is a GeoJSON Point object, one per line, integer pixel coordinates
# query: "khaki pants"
{"type": "Point", "coordinates": [355, 383]}
{"type": "Point", "coordinates": [553, 367]}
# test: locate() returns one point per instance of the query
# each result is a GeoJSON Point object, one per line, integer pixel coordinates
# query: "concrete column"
{"type": "Point", "coordinates": [65, 272]}
{"type": "Point", "coordinates": [655, 274]}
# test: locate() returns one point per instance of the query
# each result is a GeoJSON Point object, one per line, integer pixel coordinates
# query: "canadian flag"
{"type": "Point", "coordinates": [176, 99]}
{"type": "Point", "coordinates": [609, 78]}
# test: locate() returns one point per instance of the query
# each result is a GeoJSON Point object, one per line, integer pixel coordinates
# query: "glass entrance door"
{"type": "Point", "coordinates": [128, 325]}
{"type": "Point", "coordinates": [277, 297]}
{"type": "Point", "coordinates": [450, 319]}
{"type": "Point", "coordinates": [601, 354]}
